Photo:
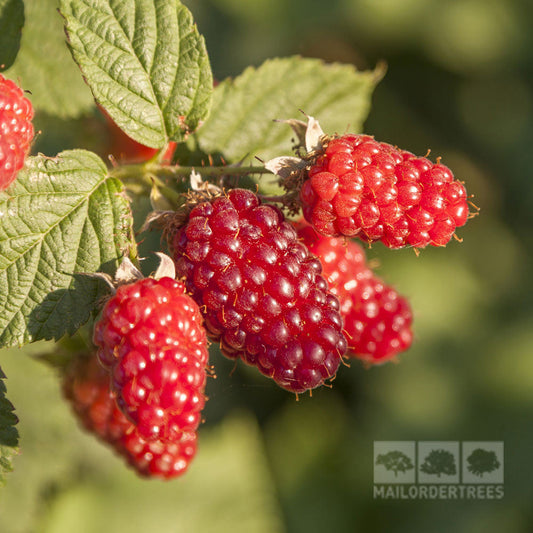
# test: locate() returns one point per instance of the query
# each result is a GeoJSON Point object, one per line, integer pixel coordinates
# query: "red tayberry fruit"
{"type": "Point", "coordinates": [151, 339]}
{"type": "Point", "coordinates": [360, 187]}
{"type": "Point", "coordinates": [260, 290]}
{"type": "Point", "coordinates": [16, 130]}
{"type": "Point", "coordinates": [86, 385]}
{"type": "Point", "coordinates": [377, 320]}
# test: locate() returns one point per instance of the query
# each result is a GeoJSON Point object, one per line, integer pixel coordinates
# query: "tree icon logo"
{"type": "Point", "coordinates": [482, 461]}
{"type": "Point", "coordinates": [439, 462]}
{"type": "Point", "coordinates": [395, 461]}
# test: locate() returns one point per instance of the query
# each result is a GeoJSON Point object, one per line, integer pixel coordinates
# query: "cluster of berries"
{"type": "Point", "coordinates": [291, 299]}
{"type": "Point", "coordinates": [16, 130]}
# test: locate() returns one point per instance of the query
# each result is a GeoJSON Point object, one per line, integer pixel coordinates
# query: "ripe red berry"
{"type": "Point", "coordinates": [260, 290]}
{"type": "Point", "coordinates": [16, 130]}
{"type": "Point", "coordinates": [377, 320]}
{"type": "Point", "coordinates": [150, 337]}
{"type": "Point", "coordinates": [86, 385]}
{"type": "Point", "coordinates": [362, 187]}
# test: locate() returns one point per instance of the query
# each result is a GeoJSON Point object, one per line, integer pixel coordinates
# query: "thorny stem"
{"type": "Point", "coordinates": [126, 172]}
{"type": "Point", "coordinates": [172, 181]}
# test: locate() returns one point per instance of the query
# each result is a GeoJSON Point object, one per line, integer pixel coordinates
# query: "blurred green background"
{"type": "Point", "coordinates": [460, 82]}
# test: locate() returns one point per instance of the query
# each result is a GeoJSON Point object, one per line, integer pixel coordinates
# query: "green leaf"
{"type": "Point", "coordinates": [241, 123]}
{"type": "Point", "coordinates": [145, 63]}
{"type": "Point", "coordinates": [64, 216]}
{"type": "Point", "coordinates": [11, 22]}
{"type": "Point", "coordinates": [9, 437]}
{"type": "Point", "coordinates": [44, 66]}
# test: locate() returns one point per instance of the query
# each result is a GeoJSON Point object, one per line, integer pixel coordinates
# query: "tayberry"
{"type": "Point", "coordinates": [151, 339]}
{"type": "Point", "coordinates": [360, 187]}
{"type": "Point", "coordinates": [260, 290]}
{"type": "Point", "coordinates": [377, 320]}
{"type": "Point", "coordinates": [16, 130]}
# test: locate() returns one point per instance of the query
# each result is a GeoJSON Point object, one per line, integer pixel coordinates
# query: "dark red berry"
{"type": "Point", "coordinates": [377, 320]}
{"type": "Point", "coordinates": [16, 130]}
{"type": "Point", "coordinates": [151, 339]}
{"type": "Point", "coordinates": [260, 289]}
{"type": "Point", "coordinates": [86, 385]}
{"type": "Point", "coordinates": [361, 187]}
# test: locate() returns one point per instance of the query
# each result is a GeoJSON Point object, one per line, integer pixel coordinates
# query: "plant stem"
{"type": "Point", "coordinates": [152, 173]}
{"type": "Point", "coordinates": [167, 171]}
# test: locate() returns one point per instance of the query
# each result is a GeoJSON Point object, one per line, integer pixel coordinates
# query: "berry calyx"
{"type": "Point", "coordinates": [260, 290]}
{"type": "Point", "coordinates": [85, 384]}
{"type": "Point", "coordinates": [16, 130]}
{"type": "Point", "coordinates": [151, 339]}
{"type": "Point", "coordinates": [377, 320]}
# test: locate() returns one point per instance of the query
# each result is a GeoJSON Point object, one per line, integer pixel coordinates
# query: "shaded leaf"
{"type": "Point", "coordinates": [9, 437]}
{"type": "Point", "coordinates": [44, 66]}
{"type": "Point", "coordinates": [241, 123]}
{"type": "Point", "coordinates": [11, 23]}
